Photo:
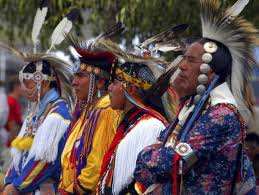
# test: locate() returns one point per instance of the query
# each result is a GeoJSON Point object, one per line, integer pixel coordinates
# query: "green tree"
{"type": "Point", "coordinates": [142, 17]}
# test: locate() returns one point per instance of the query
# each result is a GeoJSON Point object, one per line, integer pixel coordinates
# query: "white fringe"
{"type": "Point", "coordinates": [46, 140]}
{"type": "Point", "coordinates": [144, 133]}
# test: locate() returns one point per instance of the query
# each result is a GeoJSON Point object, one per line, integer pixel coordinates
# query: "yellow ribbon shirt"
{"type": "Point", "coordinates": [103, 136]}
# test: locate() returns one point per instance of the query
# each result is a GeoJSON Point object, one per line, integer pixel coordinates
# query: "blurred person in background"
{"type": "Point", "coordinates": [3, 112]}
{"type": "Point", "coordinates": [252, 148]}
{"type": "Point", "coordinates": [14, 121]}
{"type": "Point", "coordinates": [3, 135]}
{"type": "Point", "coordinates": [256, 170]}
{"type": "Point", "coordinates": [251, 122]}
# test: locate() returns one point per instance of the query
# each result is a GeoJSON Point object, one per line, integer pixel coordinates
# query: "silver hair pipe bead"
{"type": "Point", "coordinates": [201, 89]}
{"type": "Point", "coordinates": [197, 98]}
{"type": "Point", "coordinates": [204, 68]}
{"type": "Point", "coordinates": [203, 79]}
{"type": "Point", "coordinates": [206, 57]}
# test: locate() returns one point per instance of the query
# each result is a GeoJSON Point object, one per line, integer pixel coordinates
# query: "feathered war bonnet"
{"type": "Point", "coordinates": [166, 41]}
{"type": "Point", "coordinates": [44, 65]}
{"type": "Point", "coordinates": [136, 70]}
{"type": "Point", "coordinates": [228, 41]}
{"type": "Point", "coordinates": [93, 60]}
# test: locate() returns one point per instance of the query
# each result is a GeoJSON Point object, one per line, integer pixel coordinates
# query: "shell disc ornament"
{"type": "Point", "coordinates": [210, 47]}
{"type": "Point", "coordinates": [183, 149]}
{"type": "Point", "coordinates": [37, 76]}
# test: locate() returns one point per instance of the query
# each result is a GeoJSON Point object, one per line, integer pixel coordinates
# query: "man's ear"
{"type": "Point", "coordinates": [100, 83]}
{"type": "Point", "coordinates": [132, 89]}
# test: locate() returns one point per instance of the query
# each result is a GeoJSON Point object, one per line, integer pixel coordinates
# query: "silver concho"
{"type": "Point", "coordinates": [183, 149]}
{"type": "Point", "coordinates": [37, 76]}
{"type": "Point", "coordinates": [210, 47]}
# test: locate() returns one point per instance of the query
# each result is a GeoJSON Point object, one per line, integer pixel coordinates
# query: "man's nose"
{"type": "Point", "coordinates": [182, 64]}
{"type": "Point", "coordinates": [75, 81]}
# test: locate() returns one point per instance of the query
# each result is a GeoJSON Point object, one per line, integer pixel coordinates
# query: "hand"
{"type": "Point", "coordinates": [10, 190]}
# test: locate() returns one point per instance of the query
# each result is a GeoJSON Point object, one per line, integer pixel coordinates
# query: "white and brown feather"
{"type": "Point", "coordinates": [239, 36]}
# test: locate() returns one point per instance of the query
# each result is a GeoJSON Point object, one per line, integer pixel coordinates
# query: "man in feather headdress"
{"type": "Point", "coordinates": [37, 150]}
{"type": "Point", "coordinates": [46, 81]}
{"type": "Point", "coordinates": [93, 126]}
{"type": "Point", "coordinates": [130, 92]}
{"type": "Point", "coordinates": [202, 151]}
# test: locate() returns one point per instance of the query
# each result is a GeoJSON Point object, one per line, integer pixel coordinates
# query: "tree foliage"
{"type": "Point", "coordinates": [142, 17]}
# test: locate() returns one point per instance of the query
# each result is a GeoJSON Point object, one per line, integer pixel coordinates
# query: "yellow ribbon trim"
{"type": "Point", "coordinates": [22, 143]}
{"type": "Point", "coordinates": [135, 81]}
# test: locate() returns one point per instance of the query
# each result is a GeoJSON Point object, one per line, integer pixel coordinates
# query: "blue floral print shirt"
{"type": "Point", "coordinates": [222, 167]}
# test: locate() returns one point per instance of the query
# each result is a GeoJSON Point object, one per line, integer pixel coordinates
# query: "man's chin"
{"type": "Point", "coordinates": [177, 85]}
{"type": "Point", "coordinates": [114, 107]}
{"type": "Point", "coordinates": [178, 81]}
{"type": "Point", "coordinates": [80, 97]}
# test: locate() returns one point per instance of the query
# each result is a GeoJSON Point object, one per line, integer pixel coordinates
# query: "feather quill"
{"type": "Point", "coordinates": [118, 28]}
{"type": "Point", "coordinates": [237, 8]}
{"type": "Point", "coordinates": [157, 65]}
{"type": "Point", "coordinates": [171, 45]}
{"type": "Point", "coordinates": [12, 49]}
{"type": "Point", "coordinates": [162, 83]}
{"type": "Point", "coordinates": [166, 35]}
{"type": "Point", "coordinates": [38, 22]}
{"type": "Point", "coordinates": [179, 44]}
{"type": "Point", "coordinates": [115, 30]}
{"type": "Point", "coordinates": [63, 28]}
{"type": "Point", "coordinates": [160, 88]}
{"type": "Point", "coordinates": [91, 45]}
